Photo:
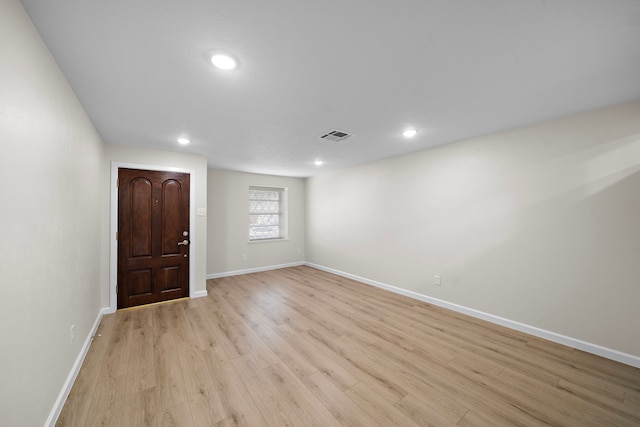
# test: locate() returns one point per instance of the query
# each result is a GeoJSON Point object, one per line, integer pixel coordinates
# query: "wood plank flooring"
{"type": "Point", "coordinates": [301, 347]}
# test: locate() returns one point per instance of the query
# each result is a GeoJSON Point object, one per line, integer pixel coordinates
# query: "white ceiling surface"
{"type": "Point", "coordinates": [453, 69]}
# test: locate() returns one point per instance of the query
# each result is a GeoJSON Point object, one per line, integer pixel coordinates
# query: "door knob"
{"type": "Point", "coordinates": [184, 242]}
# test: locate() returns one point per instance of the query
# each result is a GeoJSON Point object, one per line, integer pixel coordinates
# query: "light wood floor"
{"type": "Point", "coordinates": [301, 347]}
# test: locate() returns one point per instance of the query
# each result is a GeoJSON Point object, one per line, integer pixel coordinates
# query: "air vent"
{"type": "Point", "coordinates": [335, 136]}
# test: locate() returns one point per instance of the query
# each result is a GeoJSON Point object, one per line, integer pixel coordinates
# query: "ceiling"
{"type": "Point", "coordinates": [453, 69]}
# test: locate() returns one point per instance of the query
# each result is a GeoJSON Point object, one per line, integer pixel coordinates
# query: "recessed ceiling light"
{"type": "Point", "coordinates": [318, 163]}
{"type": "Point", "coordinates": [184, 141]}
{"type": "Point", "coordinates": [223, 61]}
{"type": "Point", "coordinates": [409, 133]}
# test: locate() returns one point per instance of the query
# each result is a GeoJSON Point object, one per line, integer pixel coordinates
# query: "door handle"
{"type": "Point", "coordinates": [184, 242]}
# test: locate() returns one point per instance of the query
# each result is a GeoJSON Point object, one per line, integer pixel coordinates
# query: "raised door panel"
{"type": "Point", "coordinates": [171, 218]}
{"type": "Point", "coordinates": [169, 278]}
{"type": "Point", "coordinates": [140, 214]}
{"type": "Point", "coordinates": [140, 282]}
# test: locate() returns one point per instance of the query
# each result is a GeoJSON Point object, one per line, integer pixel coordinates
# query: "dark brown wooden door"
{"type": "Point", "coordinates": [153, 236]}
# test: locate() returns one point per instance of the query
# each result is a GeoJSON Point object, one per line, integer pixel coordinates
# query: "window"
{"type": "Point", "coordinates": [267, 213]}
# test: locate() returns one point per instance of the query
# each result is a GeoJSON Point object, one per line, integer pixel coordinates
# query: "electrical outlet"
{"type": "Point", "coordinates": [244, 257]}
{"type": "Point", "coordinates": [72, 333]}
{"type": "Point", "coordinates": [437, 280]}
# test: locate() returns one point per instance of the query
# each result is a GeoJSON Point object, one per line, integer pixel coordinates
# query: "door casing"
{"type": "Point", "coordinates": [113, 228]}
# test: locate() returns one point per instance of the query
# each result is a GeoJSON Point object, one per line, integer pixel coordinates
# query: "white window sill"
{"type": "Point", "coordinates": [269, 240]}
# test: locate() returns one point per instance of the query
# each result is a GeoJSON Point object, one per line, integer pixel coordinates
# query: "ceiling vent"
{"type": "Point", "coordinates": [335, 136]}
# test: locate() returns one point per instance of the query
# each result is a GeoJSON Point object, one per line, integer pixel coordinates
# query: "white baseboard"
{"type": "Point", "coordinates": [66, 388]}
{"type": "Point", "coordinates": [254, 270]}
{"type": "Point", "coordinates": [198, 294]}
{"type": "Point", "coordinates": [608, 353]}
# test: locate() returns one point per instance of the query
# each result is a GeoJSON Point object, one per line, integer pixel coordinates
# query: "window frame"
{"type": "Point", "coordinates": [282, 214]}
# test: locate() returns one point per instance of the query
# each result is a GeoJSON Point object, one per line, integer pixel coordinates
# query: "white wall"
{"type": "Point", "coordinates": [145, 157]}
{"type": "Point", "coordinates": [540, 225]}
{"type": "Point", "coordinates": [50, 223]}
{"type": "Point", "coordinates": [228, 194]}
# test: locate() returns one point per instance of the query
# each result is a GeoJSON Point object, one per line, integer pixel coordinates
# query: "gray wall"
{"type": "Point", "coordinates": [50, 223]}
{"type": "Point", "coordinates": [228, 246]}
{"type": "Point", "coordinates": [539, 225]}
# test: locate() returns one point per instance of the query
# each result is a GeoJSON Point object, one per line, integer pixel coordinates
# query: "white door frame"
{"type": "Point", "coordinates": [113, 243]}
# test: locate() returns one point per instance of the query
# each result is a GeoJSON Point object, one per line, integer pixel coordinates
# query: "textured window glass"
{"type": "Point", "coordinates": [265, 213]}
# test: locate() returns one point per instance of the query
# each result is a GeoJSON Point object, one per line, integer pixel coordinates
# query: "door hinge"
{"type": "Point", "coordinates": [117, 182]}
{"type": "Point", "coordinates": [116, 289]}
{"type": "Point", "coordinates": [116, 235]}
